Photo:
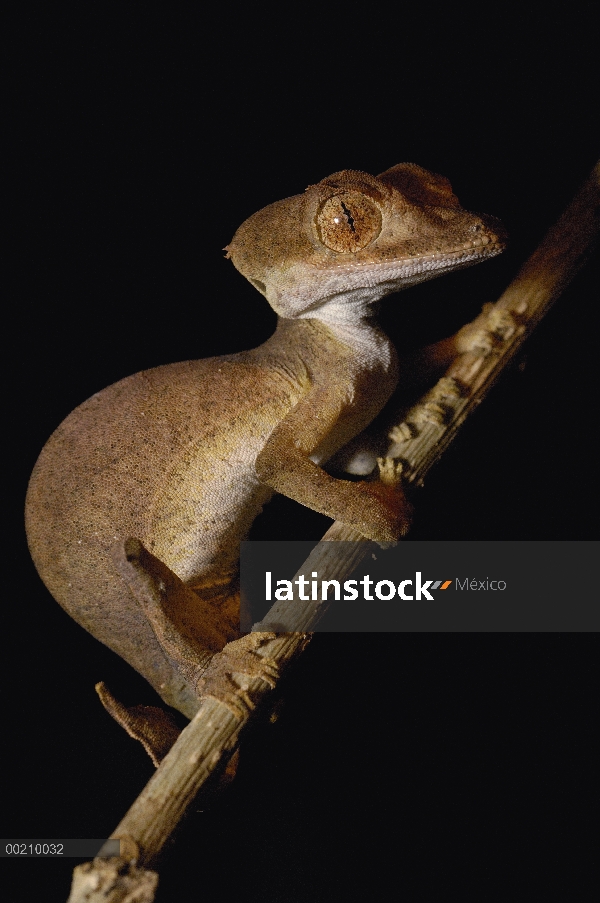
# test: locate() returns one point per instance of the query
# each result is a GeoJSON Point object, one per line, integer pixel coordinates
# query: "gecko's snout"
{"type": "Point", "coordinates": [492, 232]}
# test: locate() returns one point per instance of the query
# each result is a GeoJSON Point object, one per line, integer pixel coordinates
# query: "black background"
{"type": "Point", "coordinates": [139, 141]}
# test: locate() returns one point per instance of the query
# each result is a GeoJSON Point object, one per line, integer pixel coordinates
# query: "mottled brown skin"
{"type": "Point", "coordinates": [183, 457]}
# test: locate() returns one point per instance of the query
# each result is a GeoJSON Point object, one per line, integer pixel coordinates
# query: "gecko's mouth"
{"type": "Point", "coordinates": [425, 266]}
{"type": "Point", "coordinates": [353, 284]}
{"type": "Point", "coordinates": [489, 238]}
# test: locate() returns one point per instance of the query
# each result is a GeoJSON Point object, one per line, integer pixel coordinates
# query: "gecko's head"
{"type": "Point", "coordinates": [353, 238]}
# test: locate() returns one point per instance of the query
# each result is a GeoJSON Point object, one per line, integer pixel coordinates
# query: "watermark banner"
{"type": "Point", "coordinates": [428, 586]}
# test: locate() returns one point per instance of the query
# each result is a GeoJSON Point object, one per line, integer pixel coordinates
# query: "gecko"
{"type": "Point", "coordinates": [139, 500]}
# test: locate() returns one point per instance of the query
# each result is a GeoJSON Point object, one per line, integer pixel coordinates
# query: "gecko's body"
{"type": "Point", "coordinates": [183, 457]}
{"type": "Point", "coordinates": [205, 494]}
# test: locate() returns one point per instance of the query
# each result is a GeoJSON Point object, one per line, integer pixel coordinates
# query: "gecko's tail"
{"type": "Point", "coordinates": [155, 729]}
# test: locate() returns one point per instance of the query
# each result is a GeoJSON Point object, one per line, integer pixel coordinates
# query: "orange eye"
{"type": "Point", "coordinates": [348, 221]}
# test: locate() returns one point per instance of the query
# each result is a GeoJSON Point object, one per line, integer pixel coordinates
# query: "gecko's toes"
{"type": "Point", "coordinates": [153, 727]}
{"type": "Point", "coordinates": [238, 659]}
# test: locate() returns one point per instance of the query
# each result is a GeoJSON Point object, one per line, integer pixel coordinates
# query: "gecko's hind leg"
{"type": "Point", "coordinates": [173, 610]}
{"type": "Point", "coordinates": [187, 629]}
{"type": "Point", "coordinates": [186, 626]}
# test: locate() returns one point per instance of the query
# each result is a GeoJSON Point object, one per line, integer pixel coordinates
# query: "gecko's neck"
{"type": "Point", "coordinates": [352, 322]}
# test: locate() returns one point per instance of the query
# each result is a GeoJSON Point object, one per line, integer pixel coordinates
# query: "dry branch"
{"type": "Point", "coordinates": [418, 442]}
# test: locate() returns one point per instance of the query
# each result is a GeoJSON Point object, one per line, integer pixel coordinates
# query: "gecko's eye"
{"type": "Point", "coordinates": [348, 221]}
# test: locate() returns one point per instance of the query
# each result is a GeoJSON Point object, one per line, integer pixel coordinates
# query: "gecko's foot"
{"type": "Point", "coordinates": [238, 659]}
{"type": "Point", "coordinates": [153, 727]}
{"type": "Point", "coordinates": [487, 332]}
{"type": "Point", "coordinates": [392, 518]}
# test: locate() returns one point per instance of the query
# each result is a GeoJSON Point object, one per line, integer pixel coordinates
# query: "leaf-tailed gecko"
{"type": "Point", "coordinates": [139, 500]}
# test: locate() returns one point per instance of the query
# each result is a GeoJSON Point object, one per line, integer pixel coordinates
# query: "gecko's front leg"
{"type": "Point", "coordinates": [379, 510]}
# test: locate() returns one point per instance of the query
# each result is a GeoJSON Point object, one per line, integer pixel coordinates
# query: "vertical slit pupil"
{"type": "Point", "coordinates": [348, 216]}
